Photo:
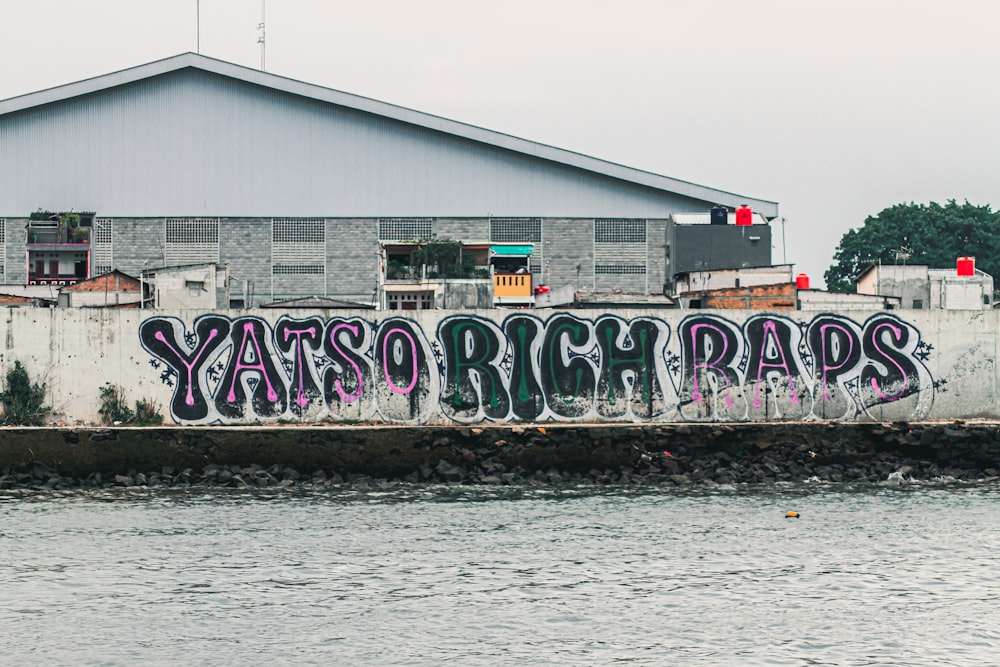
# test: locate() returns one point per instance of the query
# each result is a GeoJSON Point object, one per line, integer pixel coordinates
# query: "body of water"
{"type": "Point", "coordinates": [908, 575]}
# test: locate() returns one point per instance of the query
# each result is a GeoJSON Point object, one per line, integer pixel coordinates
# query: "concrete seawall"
{"type": "Point", "coordinates": [509, 367]}
{"type": "Point", "coordinates": [552, 454]}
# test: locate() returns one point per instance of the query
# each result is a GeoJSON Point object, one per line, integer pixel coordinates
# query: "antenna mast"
{"type": "Point", "coordinates": [260, 38]}
{"type": "Point", "coordinates": [197, 26]}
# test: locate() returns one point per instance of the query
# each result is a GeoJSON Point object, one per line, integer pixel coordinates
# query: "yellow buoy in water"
{"type": "Point", "coordinates": [791, 515]}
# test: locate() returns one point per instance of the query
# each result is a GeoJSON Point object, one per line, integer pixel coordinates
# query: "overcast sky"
{"type": "Point", "coordinates": [834, 109]}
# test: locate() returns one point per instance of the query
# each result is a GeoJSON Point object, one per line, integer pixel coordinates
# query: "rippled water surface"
{"type": "Point", "coordinates": [901, 576]}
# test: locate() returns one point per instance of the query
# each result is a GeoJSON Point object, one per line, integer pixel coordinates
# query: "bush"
{"type": "Point", "coordinates": [23, 400]}
{"type": "Point", "coordinates": [115, 410]}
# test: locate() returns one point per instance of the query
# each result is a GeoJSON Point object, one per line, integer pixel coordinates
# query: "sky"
{"type": "Point", "coordinates": [836, 110]}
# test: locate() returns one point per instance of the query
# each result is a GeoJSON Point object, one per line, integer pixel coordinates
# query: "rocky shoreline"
{"type": "Point", "coordinates": [359, 457]}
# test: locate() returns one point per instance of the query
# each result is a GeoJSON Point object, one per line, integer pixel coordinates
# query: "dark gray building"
{"type": "Point", "coordinates": [695, 245]}
{"type": "Point", "coordinates": [300, 188]}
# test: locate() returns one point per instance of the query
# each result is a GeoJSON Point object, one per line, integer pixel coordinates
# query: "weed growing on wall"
{"type": "Point", "coordinates": [23, 400]}
{"type": "Point", "coordinates": [115, 409]}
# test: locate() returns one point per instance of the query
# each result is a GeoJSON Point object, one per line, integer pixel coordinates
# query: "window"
{"type": "Point", "coordinates": [298, 246]}
{"type": "Point", "coordinates": [191, 241]}
{"type": "Point", "coordinates": [619, 249]}
{"type": "Point", "coordinates": [298, 249]}
{"type": "Point", "coordinates": [620, 231]}
{"type": "Point", "coordinates": [101, 247]}
{"type": "Point", "coordinates": [193, 231]}
{"type": "Point", "coordinates": [619, 270]}
{"type": "Point", "coordinates": [516, 230]}
{"type": "Point", "coordinates": [298, 270]}
{"type": "Point", "coordinates": [405, 229]}
{"type": "Point", "coordinates": [918, 304]}
{"type": "Point", "coordinates": [195, 287]}
{"type": "Point", "coordinates": [410, 300]}
{"type": "Point", "coordinates": [298, 230]}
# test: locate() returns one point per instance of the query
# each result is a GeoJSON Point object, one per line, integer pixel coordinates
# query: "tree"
{"type": "Point", "coordinates": [23, 400]}
{"type": "Point", "coordinates": [929, 234]}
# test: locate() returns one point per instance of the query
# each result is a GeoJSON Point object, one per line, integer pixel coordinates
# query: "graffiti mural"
{"type": "Point", "coordinates": [563, 368]}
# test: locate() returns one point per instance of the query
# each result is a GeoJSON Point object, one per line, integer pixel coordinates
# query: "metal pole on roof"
{"type": "Point", "coordinates": [784, 251]}
{"type": "Point", "coordinates": [197, 23]}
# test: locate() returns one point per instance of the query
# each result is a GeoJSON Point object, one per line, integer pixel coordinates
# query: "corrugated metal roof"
{"type": "Point", "coordinates": [232, 124]}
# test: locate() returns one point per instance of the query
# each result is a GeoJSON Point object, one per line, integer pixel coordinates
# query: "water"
{"type": "Point", "coordinates": [876, 576]}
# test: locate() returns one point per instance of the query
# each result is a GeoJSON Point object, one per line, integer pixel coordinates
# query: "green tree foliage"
{"type": "Point", "coordinates": [929, 234]}
{"type": "Point", "coordinates": [444, 259]}
{"type": "Point", "coordinates": [23, 400]}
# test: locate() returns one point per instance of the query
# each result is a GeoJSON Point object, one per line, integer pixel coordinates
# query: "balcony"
{"type": "Point", "coordinates": [404, 273]}
{"type": "Point", "coordinates": [513, 289]}
{"type": "Point", "coordinates": [56, 234]}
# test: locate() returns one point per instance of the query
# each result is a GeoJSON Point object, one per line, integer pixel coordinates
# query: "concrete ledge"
{"type": "Point", "coordinates": [710, 453]}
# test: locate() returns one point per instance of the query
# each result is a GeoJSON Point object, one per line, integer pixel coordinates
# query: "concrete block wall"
{"type": "Point", "coordinates": [656, 257]}
{"type": "Point", "coordinates": [15, 236]}
{"type": "Point", "coordinates": [462, 229]}
{"type": "Point", "coordinates": [352, 259]}
{"type": "Point", "coordinates": [245, 244]}
{"type": "Point", "coordinates": [568, 245]}
{"type": "Point", "coordinates": [137, 244]}
{"type": "Point", "coordinates": [567, 250]}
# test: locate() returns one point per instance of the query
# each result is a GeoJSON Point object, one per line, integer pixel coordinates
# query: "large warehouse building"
{"type": "Point", "coordinates": [306, 191]}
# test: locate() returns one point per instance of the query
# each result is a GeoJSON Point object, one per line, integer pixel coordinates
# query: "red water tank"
{"type": "Point", "coordinates": [744, 216]}
{"type": "Point", "coordinates": [802, 281]}
{"type": "Point", "coordinates": [966, 266]}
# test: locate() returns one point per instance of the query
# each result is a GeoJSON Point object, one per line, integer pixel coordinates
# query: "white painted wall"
{"type": "Point", "coordinates": [727, 278]}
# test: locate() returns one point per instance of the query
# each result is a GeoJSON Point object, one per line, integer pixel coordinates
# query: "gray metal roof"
{"type": "Point", "coordinates": [121, 99]}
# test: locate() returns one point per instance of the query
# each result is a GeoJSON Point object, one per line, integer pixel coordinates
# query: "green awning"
{"type": "Point", "coordinates": [515, 250]}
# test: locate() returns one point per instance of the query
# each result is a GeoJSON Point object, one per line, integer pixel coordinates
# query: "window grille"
{"type": "Point", "coordinates": [405, 229]}
{"type": "Point", "coordinates": [516, 230]}
{"type": "Point", "coordinates": [192, 231]}
{"type": "Point", "coordinates": [298, 242]}
{"type": "Point", "coordinates": [298, 269]}
{"type": "Point", "coordinates": [101, 247]}
{"type": "Point", "coordinates": [619, 231]}
{"type": "Point", "coordinates": [619, 247]}
{"type": "Point", "coordinates": [298, 257]}
{"type": "Point", "coordinates": [298, 230]}
{"type": "Point", "coordinates": [620, 269]}
{"type": "Point", "coordinates": [619, 250]}
{"type": "Point", "coordinates": [3, 249]}
{"type": "Point", "coordinates": [191, 241]}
